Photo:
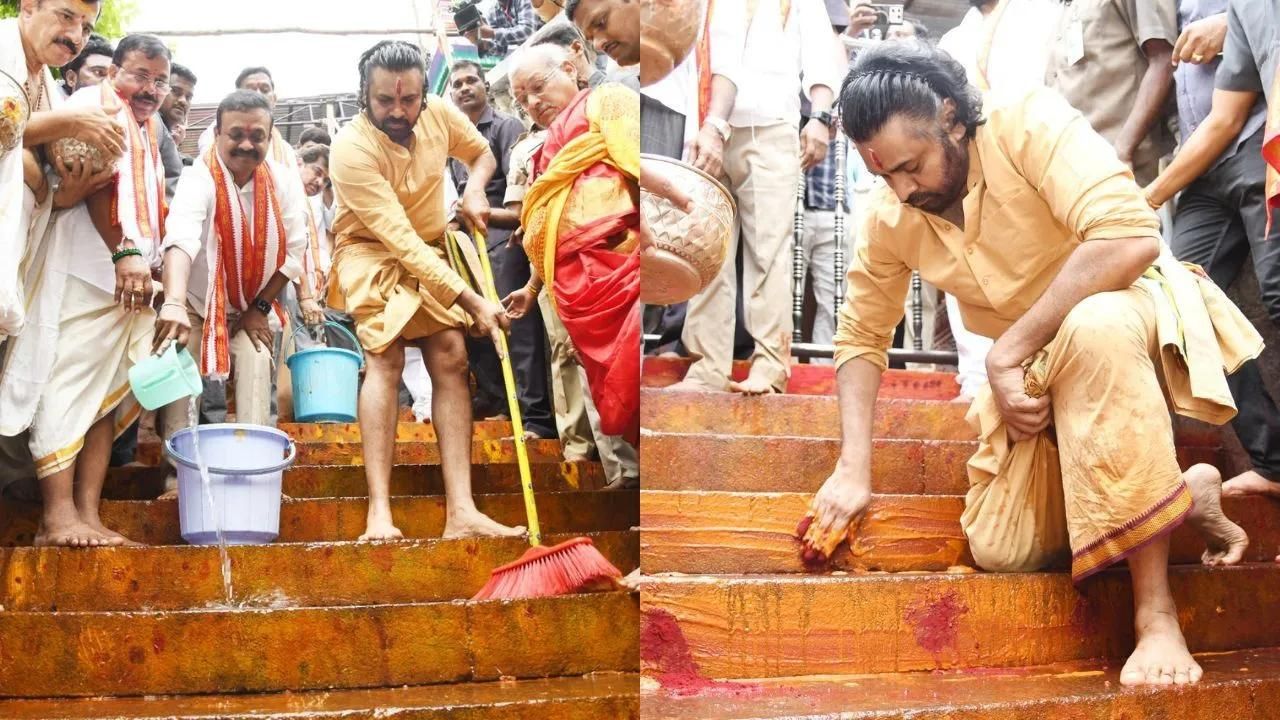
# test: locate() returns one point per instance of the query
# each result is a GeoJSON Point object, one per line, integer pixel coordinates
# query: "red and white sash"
{"type": "Point", "coordinates": [138, 210]}
{"type": "Point", "coordinates": [246, 256]}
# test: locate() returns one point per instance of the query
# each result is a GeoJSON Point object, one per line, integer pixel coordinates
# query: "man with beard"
{"type": "Point", "coordinates": [46, 33]}
{"type": "Point", "coordinates": [90, 66]}
{"type": "Point", "coordinates": [222, 286]}
{"type": "Point", "coordinates": [1031, 221]}
{"type": "Point", "coordinates": [93, 305]}
{"type": "Point", "coordinates": [528, 346]}
{"type": "Point", "coordinates": [398, 275]}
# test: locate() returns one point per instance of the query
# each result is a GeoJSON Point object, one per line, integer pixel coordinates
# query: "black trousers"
{"type": "Point", "coordinates": [528, 346]}
{"type": "Point", "coordinates": [1221, 219]}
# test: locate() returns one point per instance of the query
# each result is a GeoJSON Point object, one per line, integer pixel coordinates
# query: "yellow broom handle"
{"type": "Point", "coordinates": [513, 402]}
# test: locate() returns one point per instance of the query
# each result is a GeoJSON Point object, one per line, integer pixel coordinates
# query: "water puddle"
{"type": "Point", "coordinates": [207, 484]}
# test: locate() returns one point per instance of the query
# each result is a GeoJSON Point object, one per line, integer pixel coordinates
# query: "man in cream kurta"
{"type": "Point", "coordinates": [398, 275]}
{"type": "Point", "coordinates": [1030, 220]}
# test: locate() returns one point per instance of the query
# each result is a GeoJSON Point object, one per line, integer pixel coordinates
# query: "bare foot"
{"type": "Point", "coordinates": [691, 386]}
{"type": "Point", "coordinates": [73, 534]}
{"type": "Point", "coordinates": [101, 529]}
{"type": "Point", "coordinates": [1161, 656]}
{"type": "Point", "coordinates": [631, 582]}
{"type": "Point", "coordinates": [476, 524]}
{"type": "Point", "coordinates": [1226, 540]}
{"type": "Point", "coordinates": [752, 386]}
{"type": "Point", "coordinates": [1250, 483]}
{"type": "Point", "coordinates": [170, 488]}
{"type": "Point", "coordinates": [378, 526]}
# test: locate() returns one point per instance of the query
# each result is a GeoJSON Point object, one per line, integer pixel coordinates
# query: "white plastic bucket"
{"type": "Point", "coordinates": [246, 464]}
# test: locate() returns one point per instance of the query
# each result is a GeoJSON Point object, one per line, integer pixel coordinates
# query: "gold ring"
{"type": "Point", "coordinates": [1197, 58]}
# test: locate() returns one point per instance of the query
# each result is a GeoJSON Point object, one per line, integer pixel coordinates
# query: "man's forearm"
{"type": "Point", "coordinates": [723, 94]}
{"type": "Point", "coordinates": [1198, 153]}
{"type": "Point", "coordinates": [479, 172]}
{"type": "Point", "coordinates": [821, 98]}
{"type": "Point", "coordinates": [857, 383]}
{"type": "Point", "coordinates": [176, 274]}
{"type": "Point", "coordinates": [99, 206]}
{"type": "Point", "coordinates": [1093, 267]}
{"type": "Point", "coordinates": [1149, 104]}
{"type": "Point", "coordinates": [47, 126]}
{"type": "Point", "coordinates": [274, 287]}
{"type": "Point", "coordinates": [503, 218]}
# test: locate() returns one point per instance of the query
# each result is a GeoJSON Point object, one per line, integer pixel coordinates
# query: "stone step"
{"type": "Point", "coordinates": [598, 696]}
{"type": "Point", "coordinates": [179, 577]}
{"type": "Point", "coordinates": [405, 431]}
{"type": "Point", "coordinates": [730, 533]}
{"type": "Point", "coordinates": [819, 417]}
{"type": "Point", "coordinates": [205, 651]}
{"type": "Point", "coordinates": [1241, 684]}
{"type": "Point", "coordinates": [319, 481]}
{"type": "Point", "coordinates": [408, 452]}
{"type": "Point", "coordinates": [755, 626]}
{"type": "Point", "coordinates": [816, 379]}
{"type": "Point", "coordinates": [738, 463]}
{"type": "Point", "coordinates": [155, 522]}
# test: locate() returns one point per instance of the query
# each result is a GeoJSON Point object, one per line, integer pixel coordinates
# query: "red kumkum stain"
{"type": "Point", "coordinates": [934, 620]}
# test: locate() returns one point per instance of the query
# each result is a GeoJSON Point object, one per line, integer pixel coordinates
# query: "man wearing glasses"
{"type": "Point", "coordinates": [93, 310]}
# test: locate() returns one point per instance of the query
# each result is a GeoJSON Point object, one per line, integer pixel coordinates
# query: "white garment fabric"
{"type": "Point", "coordinates": [972, 349]}
{"type": "Point", "coordinates": [819, 247]}
{"type": "Point", "coordinates": [961, 42]}
{"type": "Point", "coordinates": [13, 231]}
{"type": "Point", "coordinates": [679, 90]}
{"type": "Point", "coordinates": [191, 228]}
{"type": "Point", "coordinates": [89, 258]}
{"type": "Point", "coordinates": [1020, 48]}
{"type": "Point", "coordinates": [418, 381]}
{"type": "Point", "coordinates": [775, 58]}
{"type": "Point", "coordinates": [324, 220]}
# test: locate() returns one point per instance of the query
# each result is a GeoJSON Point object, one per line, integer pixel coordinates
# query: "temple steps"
{"type": "Point", "coordinates": [183, 577]}
{"type": "Point", "coordinates": [589, 697]}
{"type": "Point", "coordinates": [660, 372]}
{"type": "Point", "coordinates": [155, 522]}
{"type": "Point", "coordinates": [1238, 685]}
{"type": "Point", "coordinates": [730, 533]}
{"type": "Point", "coordinates": [759, 626]}
{"type": "Point", "coordinates": [484, 451]}
{"type": "Point", "coordinates": [262, 650]}
{"type": "Point", "coordinates": [783, 463]}
{"type": "Point", "coordinates": [137, 482]}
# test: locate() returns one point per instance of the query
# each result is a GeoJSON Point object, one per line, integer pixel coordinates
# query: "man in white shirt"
{"type": "Point", "coordinates": [764, 151]}
{"type": "Point", "coordinates": [95, 301]}
{"type": "Point", "coordinates": [228, 314]}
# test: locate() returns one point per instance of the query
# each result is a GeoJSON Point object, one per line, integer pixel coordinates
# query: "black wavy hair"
{"type": "Point", "coordinates": [909, 78]}
{"type": "Point", "coordinates": [149, 45]}
{"type": "Point", "coordinates": [97, 45]}
{"type": "Point", "coordinates": [182, 71]}
{"type": "Point", "coordinates": [393, 56]}
{"type": "Point", "coordinates": [245, 73]}
{"type": "Point", "coordinates": [243, 101]}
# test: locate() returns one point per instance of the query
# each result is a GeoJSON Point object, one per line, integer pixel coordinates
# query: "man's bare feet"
{"type": "Point", "coordinates": [1227, 541]}
{"type": "Point", "coordinates": [1250, 483]}
{"type": "Point", "coordinates": [170, 488]}
{"type": "Point", "coordinates": [73, 534]}
{"type": "Point", "coordinates": [691, 386]}
{"type": "Point", "coordinates": [96, 525]}
{"type": "Point", "coordinates": [474, 523]}
{"type": "Point", "coordinates": [752, 386]}
{"type": "Point", "coordinates": [378, 525]}
{"type": "Point", "coordinates": [1161, 656]}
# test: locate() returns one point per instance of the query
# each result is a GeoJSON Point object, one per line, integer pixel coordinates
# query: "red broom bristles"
{"type": "Point", "coordinates": [569, 567]}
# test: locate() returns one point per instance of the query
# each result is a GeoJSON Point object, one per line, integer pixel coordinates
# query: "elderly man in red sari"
{"type": "Point", "coordinates": [582, 225]}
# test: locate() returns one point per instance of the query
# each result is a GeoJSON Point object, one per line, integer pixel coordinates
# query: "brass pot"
{"type": "Point", "coordinates": [68, 149]}
{"type": "Point", "coordinates": [668, 31]}
{"type": "Point", "coordinates": [689, 248]}
{"type": "Point", "coordinates": [15, 110]}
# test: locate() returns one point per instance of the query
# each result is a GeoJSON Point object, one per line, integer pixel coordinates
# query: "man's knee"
{"type": "Point", "coordinates": [1101, 322]}
{"type": "Point", "coordinates": [388, 362]}
{"type": "Point", "coordinates": [446, 355]}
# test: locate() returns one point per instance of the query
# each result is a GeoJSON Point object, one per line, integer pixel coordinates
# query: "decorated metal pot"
{"type": "Point", "coordinates": [689, 248]}
{"type": "Point", "coordinates": [668, 31]}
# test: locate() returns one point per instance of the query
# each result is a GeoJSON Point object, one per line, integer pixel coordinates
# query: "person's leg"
{"type": "Point", "coordinates": [971, 349]}
{"type": "Point", "coordinates": [446, 356]}
{"type": "Point", "coordinates": [1160, 656]}
{"type": "Point", "coordinates": [767, 169]}
{"type": "Point", "coordinates": [568, 391]}
{"type": "Point", "coordinates": [528, 346]}
{"type": "Point", "coordinates": [91, 475]}
{"type": "Point", "coordinates": [710, 315]}
{"type": "Point", "coordinates": [820, 253]}
{"type": "Point", "coordinates": [379, 408]}
{"type": "Point", "coordinates": [60, 522]}
{"type": "Point", "coordinates": [253, 374]}
{"type": "Point", "coordinates": [418, 382]}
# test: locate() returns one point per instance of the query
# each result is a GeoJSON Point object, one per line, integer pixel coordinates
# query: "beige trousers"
{"type": "Point", "coordinates": [761, 169]}
{"type": "Point", "coordinates": [250, 370]}
{"type": "Point", "coordinates": [576, 417]}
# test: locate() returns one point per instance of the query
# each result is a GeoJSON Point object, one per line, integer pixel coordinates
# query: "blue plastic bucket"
{"type": "Point", "coordinates": [326, 381]}
{"type": "Point", "coordinates": [246, 464]}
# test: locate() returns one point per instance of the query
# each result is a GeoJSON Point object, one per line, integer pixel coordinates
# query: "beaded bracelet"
{"type": "Point", "coordinates": [123, 253]}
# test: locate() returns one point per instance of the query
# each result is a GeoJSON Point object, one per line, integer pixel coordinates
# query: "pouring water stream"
{"type": "Point", "coordinates": [207, 484]}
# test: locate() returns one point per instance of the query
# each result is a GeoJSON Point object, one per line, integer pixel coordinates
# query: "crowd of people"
{"type": "Point", "coordinates": [122, 246]}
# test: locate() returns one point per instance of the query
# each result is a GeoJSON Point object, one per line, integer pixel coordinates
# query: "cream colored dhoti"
{"type": "Point", "coordinates": [386, 300]}
{"type": "Point", "coordinates": [1104, 479]}
{"type": "Point", "coordinates": [98, 341]}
